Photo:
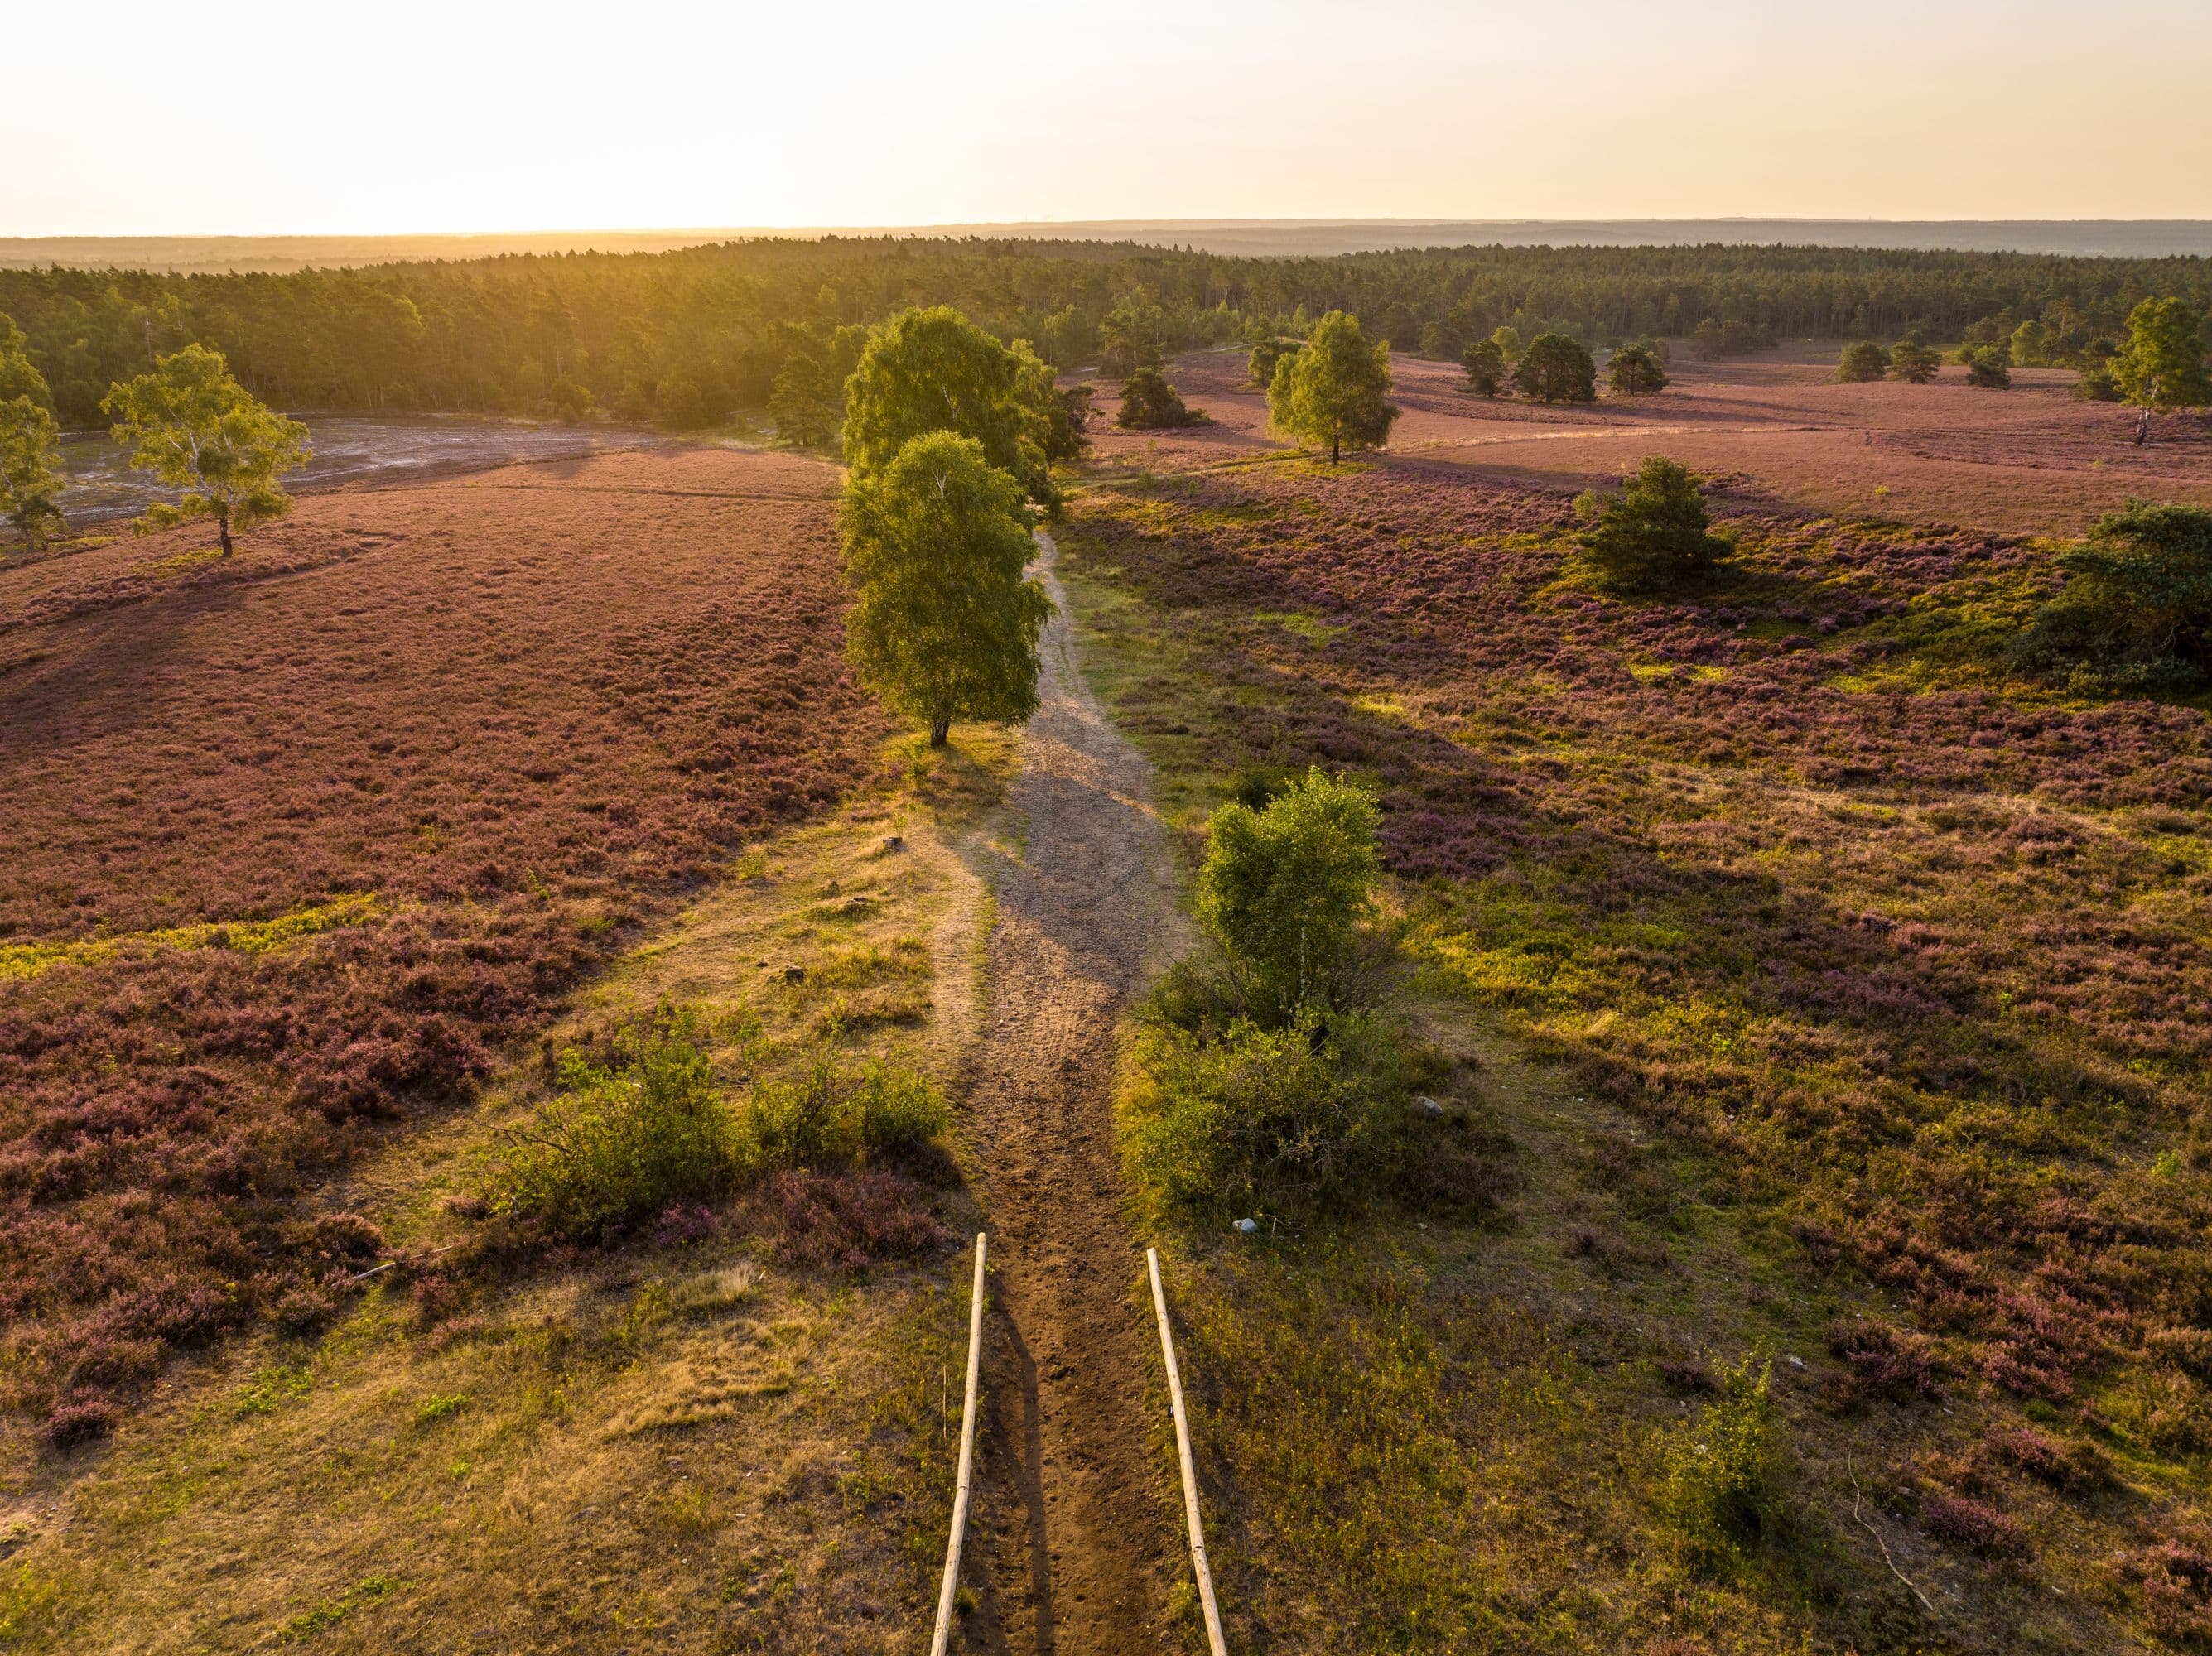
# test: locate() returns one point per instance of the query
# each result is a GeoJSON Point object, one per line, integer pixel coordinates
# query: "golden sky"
{"type": "Point", "coordinates": [325, 118]}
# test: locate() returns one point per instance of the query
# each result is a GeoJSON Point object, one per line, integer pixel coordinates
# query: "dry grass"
{"type": "Point", "coordinates": [691, 1446]}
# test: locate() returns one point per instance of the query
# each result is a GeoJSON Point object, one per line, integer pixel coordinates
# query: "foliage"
{"type": "Point", "coordinates": [1721, 1488]}
{"type": "Point", "coordinates": [1715, 338]}
{"type": "Point", "coordinates": [198, 429]}
{"type": "Point", "coordinates": [31, 477]}
{"type": "Point", "coordinates": [1284, 888]}
{"type": "Point", "coordinates": [1150, 403]}
{"type": "Point", "coordinates": [1334, 389]}
{"type": "Point", "coordinates": [1057, 417]}
{"type": "Point", "coordinates": [1556, 368]}
{"type": "Point", "coordinates": [2160, 363]}
{"type": "Point", "coordinates": [1863, 360]}
{"type": "Point", "coordinates": [943, 624]}
{"type": "Point", "coordinates": [1653, 535]}
{"type": "Point", "coordinates": [932, 370]}
{"type": "Point", "coordinates": [2034, 346]}
{"type": "Point", "coordinates": [631, 1133]}
{"type": "Point", "coordinates": [1989, 368]}
{"type": "Point", "coordinates": [830, 1115]}
{"type": "Point", "coordinates": [1253, 1119]}
{"type": "Point", "coordinates": [1486, 367]}
{"type": "Point", "coordinates": [1636, 370]}
{"type": "Point", "coordinates": [2137, 610]}
{"type": "Point", "coordinates": [1507, 338]}
{"type": "Point", "coordinates": [803, 403]}
{"type": "Point", "coordinates": [19, 377]}
{"type": "Point", "coordinates": [1913, 362]}
{"type": "Point", "coordinates": [1261, 365]}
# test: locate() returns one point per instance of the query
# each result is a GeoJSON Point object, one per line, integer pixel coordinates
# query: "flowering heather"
{"type": "Point", "coordinates": [296, 842]}
{"type": "Point", "coordinates": [1920, 955]}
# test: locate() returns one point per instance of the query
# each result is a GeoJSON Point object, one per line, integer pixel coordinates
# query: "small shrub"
{"type": "Point", "coordinates": [2071, 1467]}
{"type": "Point", "coordinates": [1150, 403]}
{"type": "Point", "coordinates": [830, 1115]}
{"type": "Point", "coordinates": [1990, 368]}
{"type": "Point", "coordinates": [1885, 1361]}
{"type": "Point", "coordinates": [1257, 1120]}
{"type": "Point", "coordinates": [1722, 1487]}
{"type": "Point", "coordinates": [84, 1420]}
{"type": "Point", "coordinates": [848, 1219]}
{"type": "Point", "coordinates": [1282, 889]}
{"type": "Point", "coordinates": [1653, 535]}
{"type": "Point", "coordinates": [2137, 610]}
{"type": "Point", "coordinates": [629, 1137]}
{"type": "Point", "coordinates": [2175, 1577]}
{"type": "Point", "coordinates": [1966, 1523]}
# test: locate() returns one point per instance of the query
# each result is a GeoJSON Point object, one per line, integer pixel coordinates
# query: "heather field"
{"type": "Point", "coordinates": [1771, 429]}
{"type": "Point", "coordinates": [298, 843]}
{"type": "Point", "coordinates": [1844, 999]}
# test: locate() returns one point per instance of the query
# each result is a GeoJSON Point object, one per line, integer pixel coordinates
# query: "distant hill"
{"type": "Point", "coordinates": [2112, 238]}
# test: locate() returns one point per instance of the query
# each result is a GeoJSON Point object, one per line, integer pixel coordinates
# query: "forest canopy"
{"type": "Point", "coordinates": [693, 334]}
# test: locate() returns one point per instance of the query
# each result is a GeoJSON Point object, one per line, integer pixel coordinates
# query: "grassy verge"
{"type": "Point", "coordinates": [1736, 919]}
{"type": "Point", "coordinates": [720, 1436]}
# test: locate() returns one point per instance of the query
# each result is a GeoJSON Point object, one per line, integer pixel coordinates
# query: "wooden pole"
{"type": "Point", "coordinates": [1198, 1564]}
{"type": "Point", "coordinates": [960, 1488]}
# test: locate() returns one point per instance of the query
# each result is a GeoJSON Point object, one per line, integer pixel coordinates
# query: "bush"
{"type": "Point", "coordinates": [646, 1130]}
{"type": "Point", "coordinates": [1636, 370]}
{"type": "Point", "coordinates": [1863, 361]}
{"type": "Point", "coordinates": [1556, 368]}
{"type": "Point", "coordinates": [1255, 1119]}
{"type": "Point", "coordinates": [1653, 535]}
{"type": "Point", "coordinates": [1283, 890]}
{"type": "Point", "coordinates": [831, 1115]}
{"type": "Point", "coordinates": [627, 1137]}
{"type": "Point", "coordinates": [2137, 610]}
{"type": "Point", "coordinates": [1150, 403]}
{"type": "Point", "coordinates": [1722, 1488]}
{"type": "Point", "coordinates": [1990, 367]}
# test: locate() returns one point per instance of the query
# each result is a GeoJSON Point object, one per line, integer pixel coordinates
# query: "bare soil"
{"type": "Point", "coordinates": [1074, 1536]}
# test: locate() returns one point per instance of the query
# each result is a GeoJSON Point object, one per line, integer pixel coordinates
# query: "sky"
{"type": "Point", "coordinates": [407, 117]}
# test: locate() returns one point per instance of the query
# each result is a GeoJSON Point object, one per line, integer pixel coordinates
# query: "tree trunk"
{"type": "Point", "coordinates": [940, 727]}
{"type": "Point", "coordinates": [1336, 442]}
{"type": "Point", "coordinates": [222, 531]}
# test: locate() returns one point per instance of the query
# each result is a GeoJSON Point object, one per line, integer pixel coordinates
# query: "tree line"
{"type": "Point", "coordinates": [685, 337]}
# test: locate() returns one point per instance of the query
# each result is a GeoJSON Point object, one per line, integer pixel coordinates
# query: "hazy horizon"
{"type": "Point", "coordinates": [305, 123]}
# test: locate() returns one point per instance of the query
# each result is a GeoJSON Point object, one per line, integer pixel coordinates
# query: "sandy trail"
{"type": "Point", "coordinates": [1076, 1547]}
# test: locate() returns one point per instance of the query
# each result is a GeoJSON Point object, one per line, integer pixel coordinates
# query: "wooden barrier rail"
{"type": "Point", "coordinates": [960, 1488]}
{"type": "Point", "coordinates": [1198, 1563]}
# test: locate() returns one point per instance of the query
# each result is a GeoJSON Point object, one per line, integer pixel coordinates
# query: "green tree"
{"type": "Point", "coordinates": [1913, 362]}
{"type": "Point", "coordinates": [1863, 360]}
{"type": "Point", "coordinates": [1556, 368]}
{"type": "Point", "coordinates": [1265, 354]}
{"type": "Point", "coordinates": [1334, 389]}
{"type": "Point", "coordinates": [934, 370]}
{"type": "Point", "coordinates": [804, 402]}
{"type": "Point", "coordinates": [1056, 417]}
{"type": "Point", "coordinates": [1653, 535]}
{"type": "Point", "coordinates": [30, 471]}
{"type": "Point", "coordinates": [1507, 338]}
{"type": "Point", "coordinates": [18, 375]}
{"type": "Point", "coordinates": [1989, 367]}
{"type": "Point", "coordinates": [1150, 403]}
{"type": "Point", "coordinates": [2033, 346]}
{"type": "Point", "coordinates": [1636, 370]}
{"type": "Point", "coordinates": [2136, 612]}
{"type": "Point", "coordinates": [198, 429]}
{"type": "Point", "coordinates": [1283, 890]}
{"type": "Point", "coordinates": [1486, 367]}
{"type": "Point", "coordinates": [2160, 363]}
{"type": "Point", "coordinates": [943, 624]}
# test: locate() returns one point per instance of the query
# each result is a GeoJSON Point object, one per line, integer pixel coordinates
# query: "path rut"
{"type": "Point", "coordinates": [1077, 1548]}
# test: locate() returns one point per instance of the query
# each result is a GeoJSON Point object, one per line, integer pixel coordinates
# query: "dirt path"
{"type": "Point", "coordinates": [1075, 1544]}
